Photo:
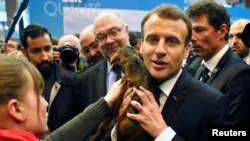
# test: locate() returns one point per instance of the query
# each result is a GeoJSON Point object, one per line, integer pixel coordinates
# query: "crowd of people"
{"type": "Point", "coordinates": [63, 90]}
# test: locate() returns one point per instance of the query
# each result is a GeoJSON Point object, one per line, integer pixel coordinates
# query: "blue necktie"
{"type": "Point", "coordinates": [117, 70]}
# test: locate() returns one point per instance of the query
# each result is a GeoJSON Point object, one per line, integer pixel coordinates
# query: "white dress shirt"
{"type": "Point", "coordinates": [166, 88]}
{"type": "Point", "coordinates": [213, 62]}
{"type": "Point", "coordinates": [110, 76]}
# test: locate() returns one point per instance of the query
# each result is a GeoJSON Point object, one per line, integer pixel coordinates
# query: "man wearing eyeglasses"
{"type": "Point", "coordinates": [12, 45]}
{"type": "Point", "coordinates": [89, 46]}
{"type": "Point", "coordinates": [111, 32]}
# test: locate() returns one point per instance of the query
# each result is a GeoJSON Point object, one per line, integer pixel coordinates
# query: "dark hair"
{"type": "Point", "coordinates": [18, 42]}
{"type": "Point", "coordinates": [169, 12]}
{"type": "Point", "coordinates": [33, 31]}
{"type": "Point", "coordinates": [216, 13]}
{"type": "Point", "coordinates": [133, 38]}
{"type": "Point", "coordinates": [54, 40]}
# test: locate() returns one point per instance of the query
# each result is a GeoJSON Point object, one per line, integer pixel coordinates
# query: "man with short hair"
{"type": "Point", "coordinates": [89, 46]}
{"type": "Point", "coordinates": [71, 45]}
{"type": "Point", "coordinates": [187, 108]}
{"type": "Point", "coordinates": [60, 85]}
{"type": "Point", "coordinates": [111, 32]}
{"type": "Point", "coordinates": [220, 67]}
{"type": "Point", "coordinates": [235, 41]}
{"type": "Point", "coordinates": [12, 45]}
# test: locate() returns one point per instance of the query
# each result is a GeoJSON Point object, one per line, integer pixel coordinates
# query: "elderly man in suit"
{"type": "Point", "coordinates": [112, 34]}
{"type": "Point", "coordinates": [224, 70]}
{"type": "Point", "coordinates": [187, 107]}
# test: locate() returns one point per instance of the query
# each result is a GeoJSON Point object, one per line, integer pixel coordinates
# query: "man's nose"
{"type": "Point", "coordinates": [44, 55]}
{"type": "Point", "coordinates": [109, 39]}
{"type": "Point", "coordinates": [160, 49]}
{"type": "Point", "coordinates": [92, 52]}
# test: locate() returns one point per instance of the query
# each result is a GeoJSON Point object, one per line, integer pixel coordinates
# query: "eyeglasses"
{"type": "Point", "coordinates": [112, 33]}
{"type": "Point", "coordinates": [86, 50]}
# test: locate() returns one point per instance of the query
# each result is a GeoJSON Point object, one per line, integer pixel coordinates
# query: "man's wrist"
{"type": "Point", "coordinates": [166, 135]}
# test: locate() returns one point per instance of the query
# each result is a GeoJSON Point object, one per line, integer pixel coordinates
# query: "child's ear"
{"type": "Point", "coordinates": [15, 110]}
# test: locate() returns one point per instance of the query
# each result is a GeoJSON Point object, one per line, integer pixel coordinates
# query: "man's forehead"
{"type": "Point", "coordinates": [39, 42]}
{"type": "Point", "coordinates": [106, 23]}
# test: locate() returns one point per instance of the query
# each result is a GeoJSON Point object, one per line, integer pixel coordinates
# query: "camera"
{"type": "Point", "coordinates": [69, 53]}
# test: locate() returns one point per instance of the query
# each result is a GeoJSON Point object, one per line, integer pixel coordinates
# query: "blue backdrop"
{"type": "Point", "coordinates": [55, 14]}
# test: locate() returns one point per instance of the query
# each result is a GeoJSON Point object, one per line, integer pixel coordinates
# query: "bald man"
{"type": "Point", "coordinates": [68, 40]}
{"type": "Point", "coordinates": [236, 43]}
{"type": "Point", "coordinates": [111, 32]}
{"type": "Point", "coordinates": [80, 64]}
{"type": "Point", "coordinates": [89, 46]}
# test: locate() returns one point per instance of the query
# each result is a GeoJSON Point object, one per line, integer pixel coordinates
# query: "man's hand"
{"type": "Point", "coordinates": [56, 55]}
{"type": "Point", "coordinates": [149, 116]}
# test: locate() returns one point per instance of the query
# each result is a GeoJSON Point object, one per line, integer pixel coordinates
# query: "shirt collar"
{"type": "Point", "coordinates": [212, 63]}
{"type": "Point", "coordinates": [247, 57]}
{"type": "Point", "coordinates": [168, 85]}
{"type": "Point", "coordinates": [109, 67]}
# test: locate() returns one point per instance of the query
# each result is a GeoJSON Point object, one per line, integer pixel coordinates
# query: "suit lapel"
{"type": "Point", "coordinates": [101, 78]}
{"type": "Point", "coordinates": [221, 63]}
{"type": "Point", "coordinates": [198, 72]}
{"type": "Point", "coordinates": [175, 97]}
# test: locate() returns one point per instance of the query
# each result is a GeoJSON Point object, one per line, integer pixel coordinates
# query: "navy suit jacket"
{"type": "Point", "coordinates": [232, 77]}
{"type": "Point", "coordinates": [193, 108]}
{"type": "Point", "coordinates": [92, 83]}
{"type": "Point", "coordinates": [68, 102]}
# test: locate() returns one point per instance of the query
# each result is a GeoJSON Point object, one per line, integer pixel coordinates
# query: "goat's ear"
{"type": "Point", "coordinates": [113, 60]}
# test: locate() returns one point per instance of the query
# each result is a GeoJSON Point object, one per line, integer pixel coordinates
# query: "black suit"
{"type": "Point", "coordinates": [67, 102]}
{"type": "Point", "coordinates": [192, 108]}
{"type": "Point", "coordinates": [232, 77]}
{"type": "Point", "coordinates": [92, 83]}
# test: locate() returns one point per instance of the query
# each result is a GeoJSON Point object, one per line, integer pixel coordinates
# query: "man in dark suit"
{"type": "Point", "coordinates": [187, 107]}
{"type": "Point", "coordinates": [60, 85]}
{"type": "Point", "coordinates": [112, 34]}
{"type": "Point", "coordinates": [225, 70]}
